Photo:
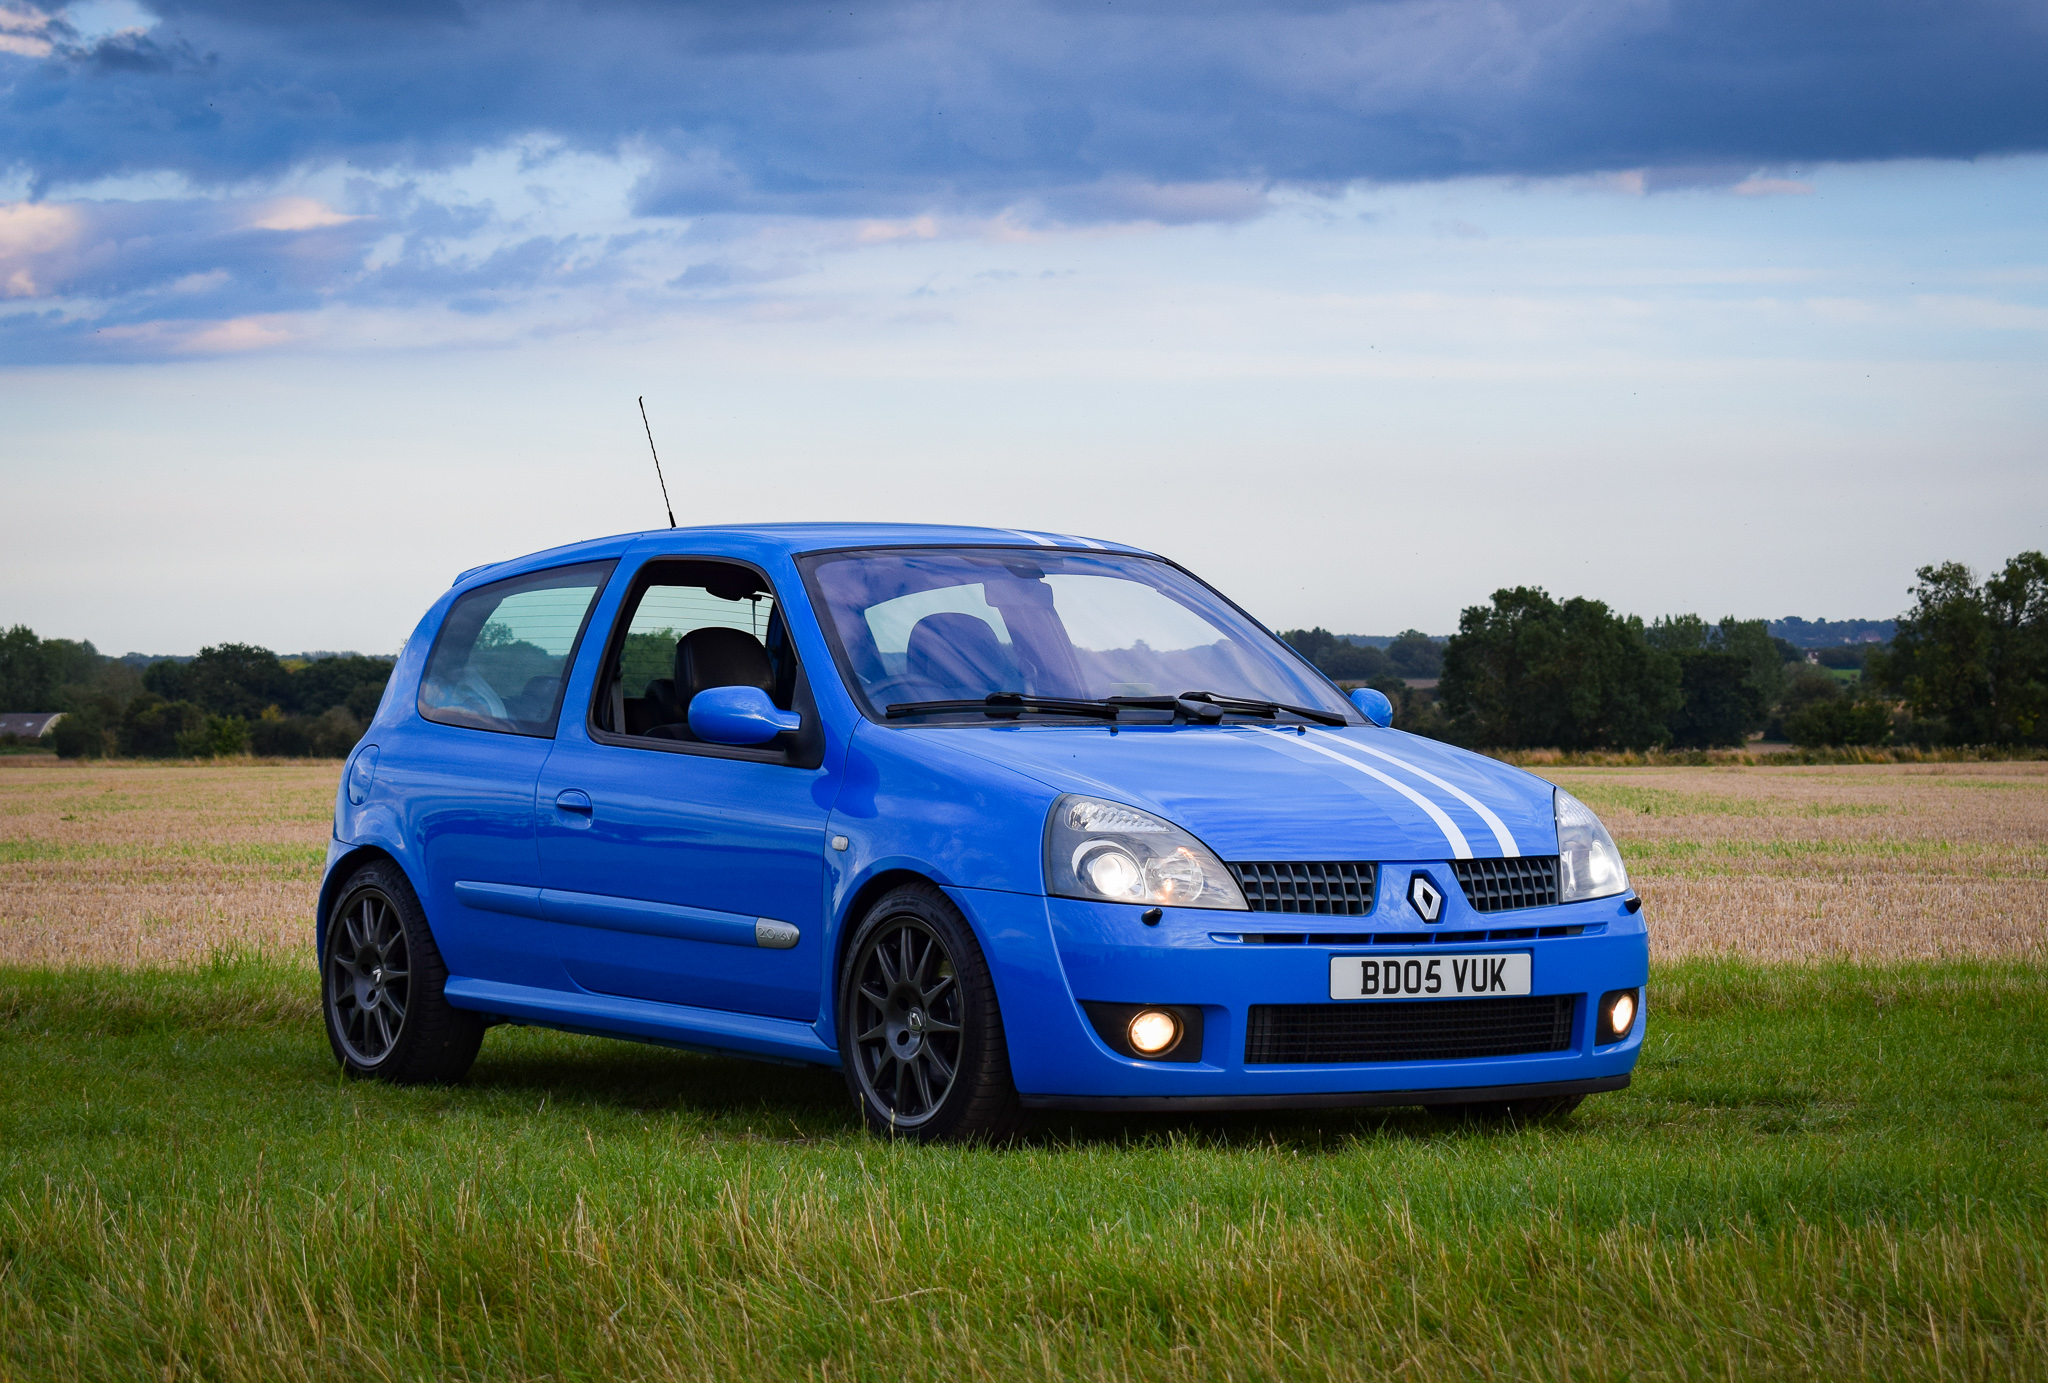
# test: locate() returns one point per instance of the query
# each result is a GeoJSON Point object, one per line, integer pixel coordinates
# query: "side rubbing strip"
{"type": "Point", "coordinates": [1460, 847]}
{"type": "Point", "coordinates": [1493, 823]}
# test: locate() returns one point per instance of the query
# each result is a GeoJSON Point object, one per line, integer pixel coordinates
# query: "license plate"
{"type": "Point", "coordinates": [1429, 977]}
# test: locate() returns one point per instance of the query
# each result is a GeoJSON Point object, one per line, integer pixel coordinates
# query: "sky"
{"type": "Point", "coordinates": [1361, 311]}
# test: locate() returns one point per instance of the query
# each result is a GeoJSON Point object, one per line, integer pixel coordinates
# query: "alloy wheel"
{"type": "Point", "coordinates": [369, 977]}
{"type": "Point", "coordinates": [906, 1014]}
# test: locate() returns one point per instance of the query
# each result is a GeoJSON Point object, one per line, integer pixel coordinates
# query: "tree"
{"type": "Point", "coordinates": [349, 680]}
{"type": "Point", "coordinates": [236, 679]}
{"type": "Point", "coordinates": [26, 683]}
{"type": "Point", "coordinates": [153, 728]}
{"type": "Point", "coordinates": [1717, 702]}
{"type": "Point", "coordinates": [1415, 654]}
{"type": "Point", "coordinates": [1339, 659]}
{"type": "Point", "coordinates": [1729, 677]}
{"type": "Point", "coordinates": [82, 733]}
{"type": "Point", "coordinates": [1971, 661]}
{"type": "Point", "coordinates": [165, 679]}
{"type": "Point", "coordinates": [1839, 720]}
{"type": "Point", "coordinates": [1529, 672]}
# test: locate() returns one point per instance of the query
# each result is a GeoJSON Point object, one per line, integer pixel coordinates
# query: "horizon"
{"type": "Point", "coordinates": [314, 655]}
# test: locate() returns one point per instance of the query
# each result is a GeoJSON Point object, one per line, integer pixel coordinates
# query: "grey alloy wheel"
{"type": "Point", "coordinates": [906, 1010]}
{"type": "Point", "coordinates": [369, 977]}
{"type": "Point", "coordinates": [383, 986]}
{"type": "Point", "coordinates": [921, 1033]}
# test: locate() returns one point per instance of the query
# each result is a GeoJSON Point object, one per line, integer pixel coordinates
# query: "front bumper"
{"type": "Point", "coordinates": [1049, 954]}
{"type": "Point", "coordinates": [1329, 1099]}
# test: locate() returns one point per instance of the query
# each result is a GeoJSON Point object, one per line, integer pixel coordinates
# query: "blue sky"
{"type": "Point", "coordinates": [1361, 310]}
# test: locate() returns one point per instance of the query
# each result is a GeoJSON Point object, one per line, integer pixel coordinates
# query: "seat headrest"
{"type": "Point", "coordinates": [959, 653]}
{"type": "Point", "coordinates": [719, 657]}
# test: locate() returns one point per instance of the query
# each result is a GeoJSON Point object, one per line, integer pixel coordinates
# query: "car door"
{"type": "Point", "coordinates": [676, 870]}
{"type": "Point", "coordinates": [488, 700]}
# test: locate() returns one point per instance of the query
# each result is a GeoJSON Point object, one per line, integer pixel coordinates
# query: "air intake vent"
{"type": "Point", "coordinates": [1426, 1030]}
{"type": "Point", "coordinates": [1498, 885]}
{"type": "Point", "coordinates": [1342, 888]}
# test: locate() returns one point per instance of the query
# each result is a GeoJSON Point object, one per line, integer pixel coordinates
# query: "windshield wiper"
{"type": "Point", "coordinates": [1238, 705]}
{"type": "Point", "coordinates": [1009, 704]}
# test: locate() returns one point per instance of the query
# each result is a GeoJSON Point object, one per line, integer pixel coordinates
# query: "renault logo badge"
{"type": "Point", "coordinates": [1427, 898]}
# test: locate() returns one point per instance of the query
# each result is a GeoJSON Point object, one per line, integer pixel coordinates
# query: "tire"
{"type": "Point", "coordinates": [922, 1035]}
{"type": "Point", "coordinates": [381, 987]}
{"type": "Point", "coordinates": [1543, 1109]}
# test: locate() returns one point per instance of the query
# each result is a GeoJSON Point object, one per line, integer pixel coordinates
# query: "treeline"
{"type": "Point", "coordinates": [1967, 665]}
{"type": "Point", "coordinates": [1411, 655]}
{"type": "Point", "coordinates": [231, 699]}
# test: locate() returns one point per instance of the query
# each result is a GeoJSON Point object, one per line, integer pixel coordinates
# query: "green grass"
{"type": "Point", "coordinates": [285, 860]}
{"type": "Point", "coordinates": [1831, 1172]}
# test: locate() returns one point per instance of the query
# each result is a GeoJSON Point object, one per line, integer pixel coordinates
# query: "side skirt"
{"type": "Point", "coordinates": [643, 1020]}
{"type": "Point", "coordinates": [1336, 1099]}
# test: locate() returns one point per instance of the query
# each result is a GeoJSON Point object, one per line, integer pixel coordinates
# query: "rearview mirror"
{"type": "Point", "coordinates": [738, 715]}
{"type": "Point", "coordinates": [1374, 706]}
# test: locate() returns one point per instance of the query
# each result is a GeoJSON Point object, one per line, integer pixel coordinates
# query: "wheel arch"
{"type": "Point", "coordinates": [857, 907]}
{"type": "Point", "coordinates": [338, 874]}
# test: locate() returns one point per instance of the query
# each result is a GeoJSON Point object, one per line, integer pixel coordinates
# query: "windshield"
{"type": "Point", "coordinates": [923, 625]}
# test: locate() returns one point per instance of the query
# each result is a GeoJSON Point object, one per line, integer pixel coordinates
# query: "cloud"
{"type": "Point", "coordinates": [1759, 186]}
{"type": "Point", "coordinates": [918, 105]}
{"type": "Point", "coordinates": [27, 32]}
{"type": "Point", "coordinates": [298, 214]}
{"type": "Point", "coordinates": [905, 119]}
{"type": "Point", "coordinates": [175, 276]}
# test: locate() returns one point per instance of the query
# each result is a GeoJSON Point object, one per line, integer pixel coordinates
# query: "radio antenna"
{"type": "Point", "coordinates": [657, 462]}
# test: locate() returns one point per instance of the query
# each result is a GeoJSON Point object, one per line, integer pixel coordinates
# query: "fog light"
{"type": "Point", "coordinates": [1622, 1016]}
{"type": "Point", "coordinates": [1153, 1032]}
{"type": "Point", "coordinates": [1617, 1015]}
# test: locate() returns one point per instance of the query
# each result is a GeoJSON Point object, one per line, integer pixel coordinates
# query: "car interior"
{"type": "Point", "coordinates": [687, 627]}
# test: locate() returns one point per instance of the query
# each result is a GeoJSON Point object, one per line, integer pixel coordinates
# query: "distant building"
{"type": "Point", "coordinates": [28, 725]}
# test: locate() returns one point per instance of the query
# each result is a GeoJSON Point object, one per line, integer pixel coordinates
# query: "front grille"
{"type": "Point", "coordinates": [1498, 885]}
{"type": "Point", "coordinates": [1423, 1030]}
{"type": "Point", "coordinates": [1339, 888]}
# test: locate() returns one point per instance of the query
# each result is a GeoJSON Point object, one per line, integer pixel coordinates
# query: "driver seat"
{"type": "Point", "coordinates": [960, 655]}
{"type": "Point", "coordinates": [714, 657]}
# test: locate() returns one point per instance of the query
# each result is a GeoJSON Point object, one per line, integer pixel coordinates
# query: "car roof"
{"type": "Point", "coordinates": [795, 538]}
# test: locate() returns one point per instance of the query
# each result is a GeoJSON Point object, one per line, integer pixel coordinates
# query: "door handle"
{"type": "Point", "coordinates": [573, 800]}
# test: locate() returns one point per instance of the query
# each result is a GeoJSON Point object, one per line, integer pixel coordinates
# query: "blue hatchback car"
{"type": "Point", "coordinates": [992, 820]}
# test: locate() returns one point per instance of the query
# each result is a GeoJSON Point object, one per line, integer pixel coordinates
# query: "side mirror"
{"type": "Point", "coordinates": [1373, 705]}
{"type": "Point", "coordinates": [738, 715]}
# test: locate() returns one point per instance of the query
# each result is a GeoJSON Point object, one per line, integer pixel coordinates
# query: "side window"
{"type": "Point", "coordinates": [687, 626]}
{"type": "Point", "coordinates": [503, 651]}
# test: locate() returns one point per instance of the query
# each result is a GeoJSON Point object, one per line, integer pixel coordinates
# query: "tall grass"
{"type": "Point", "coordinates": [1823, 1171]}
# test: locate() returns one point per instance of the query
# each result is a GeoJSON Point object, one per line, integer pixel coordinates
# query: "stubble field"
{"type": "Point", "coordinates": [126, 865]}
{"type": "Point", "coordinates": [1834, 1161]}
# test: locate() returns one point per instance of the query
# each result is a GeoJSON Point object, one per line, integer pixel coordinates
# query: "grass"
{"type": "Point", "coordinates": [1822, 1171]}
{"type": "Point", "coordinates": [1873, 862]}
{"type": "Point", "coordinates": [163, 864]}
{"type": "Point", "coordinates": [1832, 1168]}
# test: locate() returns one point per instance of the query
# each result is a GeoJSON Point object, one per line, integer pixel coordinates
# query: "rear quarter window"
{"type": "Point", "coordinates": [503, 652]}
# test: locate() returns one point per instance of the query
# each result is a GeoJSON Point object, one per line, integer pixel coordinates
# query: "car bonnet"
{"type": "Point", "coordinates": [1260, 793]}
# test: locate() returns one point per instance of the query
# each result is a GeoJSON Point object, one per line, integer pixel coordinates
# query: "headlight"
{"type": "Point", "coordinates": [1588, 864]}
{"type": "Point", "coordinates": [1108, 852]}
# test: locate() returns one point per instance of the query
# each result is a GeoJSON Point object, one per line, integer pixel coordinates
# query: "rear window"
{"type": "Point", "coordinates": [503, 652]}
